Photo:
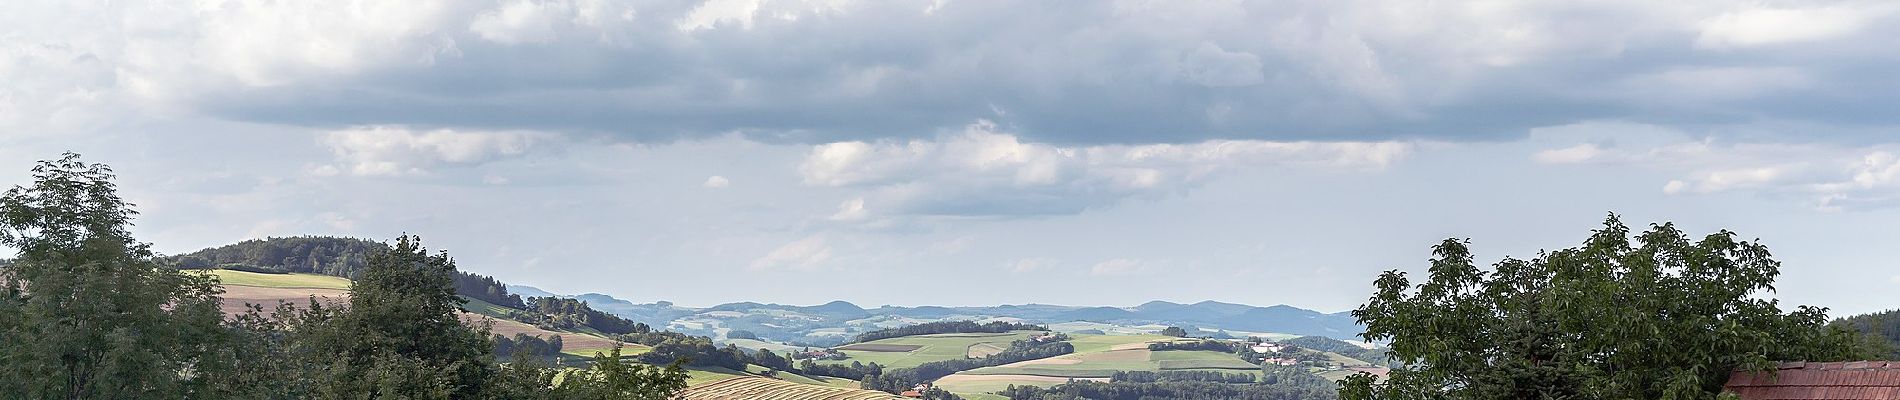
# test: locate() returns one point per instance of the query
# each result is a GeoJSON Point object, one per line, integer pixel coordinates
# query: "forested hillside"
{"type": "Point", "coordinates": [325, 255]}
{"type": "Point", "coordinates": [1883, 328]}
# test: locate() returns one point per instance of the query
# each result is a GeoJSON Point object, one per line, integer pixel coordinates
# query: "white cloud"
{"type": "Point", "coordinates": [1826, 176]}
{"type": "Point", "coordinates": [1580, 153]}
{"type": "Point", "coordinates": [1119, 267]}
{"type": "Point", "coordinates": [983, 172]}
{"type": "Point", "coordinates": [717, 182]}
{"type": "Point", "coordinates": [802, 255]}
{"type": "Point", "coordinates": [1026, 265]}
{"type": "Point", "coordinates": [1762, 25]}
{"type": "Point", "coordinates": [521, 21]}
{"type": "Point", "coordinates": [397, 151]}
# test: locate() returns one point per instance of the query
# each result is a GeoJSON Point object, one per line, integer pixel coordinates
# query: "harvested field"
{"type": "Point", "coordinates": [879, 347]}
{"type": "Point", "coordinates": [747, 387]}
{"type": "Point", "coordinates": [235, 297]}
{"type": "Point", "coordinates": [270, 289]}
{"type": "Point", "coordinates": [981, 350]}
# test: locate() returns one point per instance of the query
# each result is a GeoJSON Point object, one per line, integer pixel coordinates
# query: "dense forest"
{"type": "Point", "coordinates": [89, 312]}
{"type": "Point", "coordinates": [324, 255]}
{"type": "Point", "coordinates": [1882, 330]}
{"type": "Point", "coordinates": [1182, 376]}
{"type": "Point", "coordinates": [570, 314]}
{"type": "Point", "coordinates": [946, 327]}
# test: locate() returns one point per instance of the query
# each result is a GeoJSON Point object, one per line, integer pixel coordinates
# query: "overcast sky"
{"type": "Point", "coordinates": [959, 152]}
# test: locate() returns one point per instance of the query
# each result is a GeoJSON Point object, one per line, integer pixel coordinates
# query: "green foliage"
{"type": "Point", "coordinates": [571, 314]}
{"type": "Point", "coordinates": [1174, 331]}
{"type": "Point", "coordinates": [323, 255]}
{"type": "Point", "coordinates": [611, 378]}
{"type": "Point", "coordinates": [1882, 330]}
{"type": "Point", "coordinates": [401, 336]}
{"type": "Point", "coordinates": [1656, 316]}
{"type": "Point", "coordinates": [85, 310]}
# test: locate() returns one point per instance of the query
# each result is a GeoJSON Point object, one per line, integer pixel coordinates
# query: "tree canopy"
{"type": "Point", "coordinates": [85, 311]}
{"type": "Point", "coordinates": [1650, 316]}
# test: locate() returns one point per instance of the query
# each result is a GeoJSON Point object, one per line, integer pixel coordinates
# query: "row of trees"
{"type": "Point", "coordinates": [946, 327]}
{"type": "Point", "coordinates": [1203, 344]}
{"type": "Point", "coordinates": [523, 345]}
{"type": "Point", "coordinates": [898, 379]}
{"type": "Point", "coordinates": [87, 312]}
{"type": "Point", "coordinates": [486, 288]}
{"type": "Point", "coordinates": [1182, 376]}
{"type": "Point", "coordinates": [571, 314]}
{"type": "Point", "coordinates": [325, 255]}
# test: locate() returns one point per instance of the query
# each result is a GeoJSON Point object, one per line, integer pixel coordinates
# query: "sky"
{"type": "Point", "coordinates": [957, 152]}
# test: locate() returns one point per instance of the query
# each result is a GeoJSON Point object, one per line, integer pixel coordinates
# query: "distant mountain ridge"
{"type": "Point", "coordinates": [816, 324]}
{"type": "Point", "coordinates": [1206, 315]}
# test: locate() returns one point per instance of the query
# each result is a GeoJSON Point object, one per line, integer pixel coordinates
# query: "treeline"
{"type": "Point", "coordinates": [671, 347]}
{"type": "Point", "coordinates": [572, 314]}
{"type": "Point", "coordinates": [899, 379]}
{"type": "Point", "coordinates": [1314, 389]}
{"type": "Point", "coordinates": [88, 312]}
{"type": "Point", "coordinates": [1375, 356]}
{"type": "Point", "coordinates": [1182, 376]}
{"type": "Point", "coordinates": [527, 345]}
{"type": "Point", "coordinates": [487, 289]}
{"type": "Point", "coordinates": [946, 327]}
{"type": "Point", "coordinates": [325, 255]}
{"type": "Point", "coordinates": [856, 371]}
{"type": "Point", "coordinates": [1204, 344]}
{"type": "Point", "coordinates": [1881, 329]}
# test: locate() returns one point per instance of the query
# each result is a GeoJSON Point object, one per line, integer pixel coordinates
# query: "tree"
{"type": "Point", "coordinates": [401, 336]}
{"type": "Point", "coordinates": [1174, 331]}
{"type": "Point", "coordinates": [1656, 316]}
{"type": "Point", "coordinates": [611, 378]}
{"type": "Point", "coordinates": [85, 311]}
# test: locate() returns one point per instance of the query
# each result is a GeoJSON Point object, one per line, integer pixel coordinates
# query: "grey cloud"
{"type": "Point", "coordinates": [1071, 73]}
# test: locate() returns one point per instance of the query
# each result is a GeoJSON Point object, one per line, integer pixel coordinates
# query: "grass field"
{"type": "Point", "coordinates": [926, 348]}
{"type": "Point", "coordinates": [1096, 357]}
{"type": "Point", "coordinates": [310, 281]}
{"type": "Point", "coordinates": [1179, 360]}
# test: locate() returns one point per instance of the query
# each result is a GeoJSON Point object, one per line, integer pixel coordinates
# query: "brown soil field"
{"type": "Point", "coordinates": [236, 297]}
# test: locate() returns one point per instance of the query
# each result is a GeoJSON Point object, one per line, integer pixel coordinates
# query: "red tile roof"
{"type": "Point", "coordinates": [1856, 380]}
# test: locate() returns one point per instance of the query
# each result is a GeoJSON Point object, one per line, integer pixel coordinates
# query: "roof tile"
{"type": "Point", "coordinates": [1857, 380]}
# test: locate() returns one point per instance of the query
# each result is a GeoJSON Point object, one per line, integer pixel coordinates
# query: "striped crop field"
{"type": "Point", "coordinates": [749, 387]}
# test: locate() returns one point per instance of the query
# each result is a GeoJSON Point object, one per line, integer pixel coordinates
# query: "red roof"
{"type": "Point", "coordinates": [1854, 380]}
